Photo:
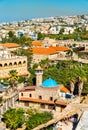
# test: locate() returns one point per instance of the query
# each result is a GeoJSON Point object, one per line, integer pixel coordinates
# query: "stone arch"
{"type": "Point", "coordinates": [15, 63]}
{"type": "Point", "coordinates": [24, 62]}
{"type": "Point", "coordinates": [0, 65]}
{"type": "Point", "coordinates": [5, 65]}
{"type": "Point", "coordinates": [19, 63]}
{"type": "Point", "coordinates": [10, 64]}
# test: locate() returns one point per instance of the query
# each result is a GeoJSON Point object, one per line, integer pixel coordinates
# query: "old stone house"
{"type": "Point", "coordinates": [47, 95]}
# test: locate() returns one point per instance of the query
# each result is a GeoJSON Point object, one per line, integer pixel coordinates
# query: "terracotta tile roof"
{"type": "Point", "coordinates": [60, 48]}
{"type": "Point", "coordinates": [61, 87]}
{"type": "Point", "coordinates": [44, 51]}
{"type": "Point", "coordinates": [37, 43]}
{"type": "Point", "coordinates": [23, 74]}
{"type": "Point", "coordinates": [42, 101]}
{"type": "Point", "coordinates": [38, 68]}
{"type": "Point", "coordinates": [1, 46]}
{"type": "Point", "coordinates": [11, 45]}
{"type": "Point", "coordinates": [28, 88]}
{"type": "Point", "coordinates": [64, 89]}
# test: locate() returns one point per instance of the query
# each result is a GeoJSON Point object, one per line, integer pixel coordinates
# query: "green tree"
{"type": "Point", "coordinates": [81, 76]}
{"type": "Point", "coordinates": [21, 79]}
{"type": "Point", "coordinates": [37, 119]}
{"type": "Point", "coordinates": [61, 31]}
{"type": "Point", "coordinates": [14, 118]}
{"type": "Point", "coordinates": [40, 36]}
{"type": "Point", "coordinates": [70, 53]}
{"type": "Point", "coordinates": [45, 63]}
{"type": "Point", "coordinates": [11, 34]}
{"type": "Point", "coordinates": [13, 78]}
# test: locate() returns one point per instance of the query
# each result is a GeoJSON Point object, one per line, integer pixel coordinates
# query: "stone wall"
{"type": "Point", "coordinates": [46, 94]}
{"type": "Point", "coordinates": [18, 63]}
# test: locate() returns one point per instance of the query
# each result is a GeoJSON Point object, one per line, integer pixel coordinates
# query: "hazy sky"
{"type": "Point", "coordinates": [14, 10]}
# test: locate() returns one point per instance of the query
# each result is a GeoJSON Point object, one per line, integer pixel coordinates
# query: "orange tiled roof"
{"type": "Point", "coordinates": [60, 48]}
{"type": "Point", "coordinates": [28, 88]}
{"type": "Point", "coordinates": [44, 51]}
{"type": "Point", "coordinates": [64, 89]}
{"type": "Point", "coordinates": [38, 68]}
{"type": "Point", "coordinates": [11, 45]}
{"type": "Point", "coordinates": [37, 43]}
{"type": "Point", "coordinates": [42, 101]}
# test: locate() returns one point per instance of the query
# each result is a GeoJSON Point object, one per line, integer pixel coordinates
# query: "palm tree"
{"type": "Point", "coordinates": [72, 78]}
{"type": "Point", "coordinates": [70, 54]}
{"type": "Point", "coordinates": [13, 78]}
{"type": "Point", "coordinates": [77, 75]}
{"type": "Point", "coordinates": [45, 63]}
{"type": "Point", "coordinates": [81, 79]}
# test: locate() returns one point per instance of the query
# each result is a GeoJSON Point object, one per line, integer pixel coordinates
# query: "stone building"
{"type": "Point", "coordinates": [48, 95]}
{"type": "Point", "coordinates": [9, 62]}
{"type": "Point", "coordinates": [10, 46]}
{"type": "Point", "coordinates": [51, 53]}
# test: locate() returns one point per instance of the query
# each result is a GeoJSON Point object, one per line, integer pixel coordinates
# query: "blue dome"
{"type": "Point", "coordinates": [49, 83]}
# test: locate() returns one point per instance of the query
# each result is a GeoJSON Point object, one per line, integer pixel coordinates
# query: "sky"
{"type": "Point", "coordinates": [15, 10]}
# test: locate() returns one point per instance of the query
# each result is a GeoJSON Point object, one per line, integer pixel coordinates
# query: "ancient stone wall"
{"type": "Point", "coordinates": [18, 63]}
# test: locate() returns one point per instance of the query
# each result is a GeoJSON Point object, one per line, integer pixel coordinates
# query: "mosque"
{"type": "Point", "coordinates": [47, 95]}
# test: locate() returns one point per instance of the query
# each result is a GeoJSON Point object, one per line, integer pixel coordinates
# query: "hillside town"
{"type": "Point", "coordinates": [43, 68]}
{"type": "Point", "coordinates": [51, 25]}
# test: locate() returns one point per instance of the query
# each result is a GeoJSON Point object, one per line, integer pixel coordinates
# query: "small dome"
{"type": "Point", "coordinates": [49, 83]}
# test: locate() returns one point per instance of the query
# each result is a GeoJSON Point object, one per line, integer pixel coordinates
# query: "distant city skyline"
{"type": "Point", "coordinates": [15, 10]}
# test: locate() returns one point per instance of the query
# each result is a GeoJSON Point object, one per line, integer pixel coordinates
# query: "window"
{"type": "Point", "coordinates": [26, 104]}
{"type": "Point", "coordinates": [15, 63]}
{"type": "Point", "coordinates": [51, 107]}
{"type": "Point", "coordinates": [19, 63]}
{"type": "Point", "coordinates": [0, 65]}
{"type": "Point", "coordinates": [24, 62]}
{"type": "Point", "coordinates": [42, 106]}
{"type": "Point", "coordinates": [40, 97]}
{"type": "Point", "coordinates": [5, 64]}
{"type": "Point", "coordinates": [51, 98]}
{"type": "Point", "coordinates": [21, 94]}
{"type": "Point", "coordinates": [30, 95]}
{"type": "Point", "coordinates": [10, 64]}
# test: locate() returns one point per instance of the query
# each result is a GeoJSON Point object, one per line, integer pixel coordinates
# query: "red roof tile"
{"type": "Point", "coordinates": [64, 89]}
{"type": "Point", "coordinates": [44, 51]}
{"type": "Point", "coordinates": [43, 101]}
{"type": "Point", "coordinates": [28, 88]}
{"type": "Point", "coordinates": [60, 48]}
{"type": "Point", "coordinates": [37, 43]}
{"type": "Point", "coordinates": [11, 45]}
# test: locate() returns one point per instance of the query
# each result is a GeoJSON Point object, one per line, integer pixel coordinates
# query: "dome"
{"type": "Point", "coordinates": [49, 83]}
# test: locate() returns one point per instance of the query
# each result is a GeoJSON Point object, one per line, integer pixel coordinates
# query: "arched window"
{"type": "Point", "coordinates": [51, 98]}
{"type": "Point", "coordinates": [5, 64]}
{"type": "Point", "coordinates": [40, 97]}
{"type": "Point", "coordinates": [0, 65]}
{"type": "Point", "coordinates": [30, 95]}
{"type": "Point", "coordinates": [10, 64]}
{"type": "Point", "coordinates": [21, 94]}
{"type": "Point", "coordinates": [15, 63]}
{"type": "Point", "coordinates": [19, 63]}
{"type": "Point", "coordinates": [24, 62]}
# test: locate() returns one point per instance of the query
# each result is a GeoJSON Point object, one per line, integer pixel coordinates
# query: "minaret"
{"type": "Point", "coordinates": [39, 76]}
